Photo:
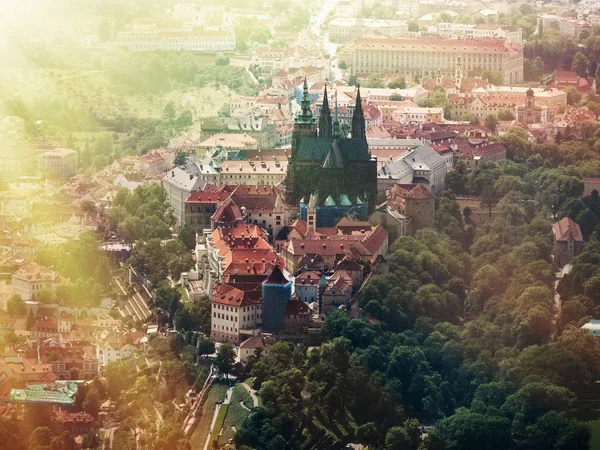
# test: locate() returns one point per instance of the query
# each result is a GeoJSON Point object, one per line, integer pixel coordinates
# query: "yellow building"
{"type": "Point", "coordinates": [426, 57]}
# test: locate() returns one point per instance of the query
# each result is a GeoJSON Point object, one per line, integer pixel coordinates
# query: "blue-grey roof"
{"type": "Point", "coordinates": [316, 149]}
{"type": "Point", "coordinates": [422, 158]}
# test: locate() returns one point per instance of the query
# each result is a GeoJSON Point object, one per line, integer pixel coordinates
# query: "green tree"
{"type": "Point", "coordinates": [170, 112]}
{"type": "Point", "coordinates": [488, 199]}
{"type": "Point", "coordinates": [225, 358]}
{"type": "Point", "coordinates": [556, 431]}
{"type": "Point", "coordinates": [120, 375]}
{"type": "Point", "coordinates": [15, 306]}
{"type": "Point", "coordinates": [580, 64]}
{"type": "Point", "coordinates": [466, 430]}
{"type": "Point", "coordinates": [91, 403]}
{"type": "Point", "coordinates": [398, 83]}
{"type": "Point", "coordinates": [573, 95]}
{"type": "Point", "coordinates": [205, 347]}
{"type": "Point", "coordinates": [491, 121]}
{"type": "Point", "coordinates": [506, 114]}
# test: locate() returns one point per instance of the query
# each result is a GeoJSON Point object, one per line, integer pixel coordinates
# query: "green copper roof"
{"type": "Point", "coordinates": [329, 201]}
{"type": "Point", "coordinates": [63, 393]}
{"type": "Point", "coordinates": [323, 280]}
{"type": "Point", "coordinates": [306, 116]}
{"type": "Point", "coordinates": [334, 159]}
{"type": "Point", "coordinates": [316, 149]}
{"type": "Point", "coordinates": [358, 201]}
{"type": "Point", "coordinates": [344, 200]}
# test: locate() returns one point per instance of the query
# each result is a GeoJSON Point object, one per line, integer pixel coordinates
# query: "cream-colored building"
{"type": "Point", "coordinates": [418, 115]}
{"type": "Point", "coordinates": [253, 172]}
{"type": "Point", "coordinates": [17, 159]}
{"type": "Point", "coordinates": [344, 29]}
{"type": "Point", "coordinates": [426, 57]}
{"type": "Point", "coordinates": [60, 163]}
{"type": "Point", "coordinates": [448, 30]}
{"type": "Point", "coordinates": [31, 279]}
{"type": "Point", "coordinates": [234, 313]}
{"type": "Point", "coordinates": [229, 141]}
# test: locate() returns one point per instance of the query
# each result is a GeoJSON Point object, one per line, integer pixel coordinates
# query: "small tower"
{"type": "Point", "coordinates": [419, 205]}
{"type": "Point", "coordinates": [458, 71]}
{"type": "Point", "coordinates": [305, 123]}
{"type": "Point", "coordinates": [278, 213]}
{"type": "Point", "coordinates": [530, 98]}
{"type": "Point", "coordinates": [276, 294]}
{"type": "Point", "coordinates": [311, 214]}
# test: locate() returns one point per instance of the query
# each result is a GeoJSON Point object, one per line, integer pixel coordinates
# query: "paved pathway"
{"type": "Point", "coordinates": [252, 393]}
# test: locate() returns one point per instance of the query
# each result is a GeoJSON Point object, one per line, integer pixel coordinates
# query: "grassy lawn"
{"type": "Point", "coordinates": [215, 394]}
{"type": "Point", "coordinates": [184, 294]}
{"type": "Point", "coordinates": [218, 424]}
{"type": "Point", "coordinates": [236, 413]}
{"type": "Point", "coordinates": [595, 430]}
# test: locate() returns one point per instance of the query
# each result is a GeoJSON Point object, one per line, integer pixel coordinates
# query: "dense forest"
{"type": "Point", "coordinates": [464, 334]}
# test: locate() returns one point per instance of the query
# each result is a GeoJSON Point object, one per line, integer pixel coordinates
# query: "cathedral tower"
{"type": "Point", "coordinates": [305, 124]}
{"type": "Point", "coordinates": [325, 117]}
{"type": "Point", "coordinates": [358, 119]}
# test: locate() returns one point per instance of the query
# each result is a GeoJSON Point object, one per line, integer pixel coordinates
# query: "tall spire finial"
{"type": "Point", "coordinates": [325, 117]}
{"type": "Point", "coordinates": [336, 121]}
{"type": "Point", "coordinates": [358, 118]}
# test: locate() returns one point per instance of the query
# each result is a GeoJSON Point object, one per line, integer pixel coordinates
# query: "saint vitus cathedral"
{"type": "Point", "coordinates": [328, 170]}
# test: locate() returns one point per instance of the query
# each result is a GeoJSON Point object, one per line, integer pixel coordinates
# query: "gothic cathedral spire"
{"type": "Point", "coordinates": [306, 116]}
{"type": "Point", "coordinates": [358, 119]}
{"type": "Point", "coordinates": [325, 117]}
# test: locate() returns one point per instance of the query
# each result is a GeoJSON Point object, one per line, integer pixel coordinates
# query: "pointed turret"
{"type": "Point", "coordinates": [311, 202]}
{"type": "Point", "coordinates": [325, 117]}
{"type": "Point", "coordinates": [278, 203]}
{"type": "Point", "coordinates": [306, 116]}
{"type": "Point", "coordinates": [358, 119]}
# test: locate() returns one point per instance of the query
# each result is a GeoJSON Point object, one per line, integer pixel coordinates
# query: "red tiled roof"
{"type": "Point", "coordinates": [276, 277]}
{"type": "Point", "coordinates": [563, 76]}
{"type": "Point", "coordinates": [253, 342]}
{"type": "Point", "coordinates": [419, 192]}
{"type": "Point", "coordinates": [225, 294]}
{"type": "Point", "coordinates": [308, 278]}
{"type": "Point", "coordinates": [300, 226]}
{"type": "Point", "coordinates": [208, 197]}
{"type": "Point", "coordinates": [227, 212]}
{"type": "Point", "coordinates": [297, 307]}
{"type": "Point", "coordinates": [375, 239]}
{"type": "Point", "coordinates": [566, 229]}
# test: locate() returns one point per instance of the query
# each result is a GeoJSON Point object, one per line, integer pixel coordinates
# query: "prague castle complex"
{"type": "Point", "coordinates": [336, 170]}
